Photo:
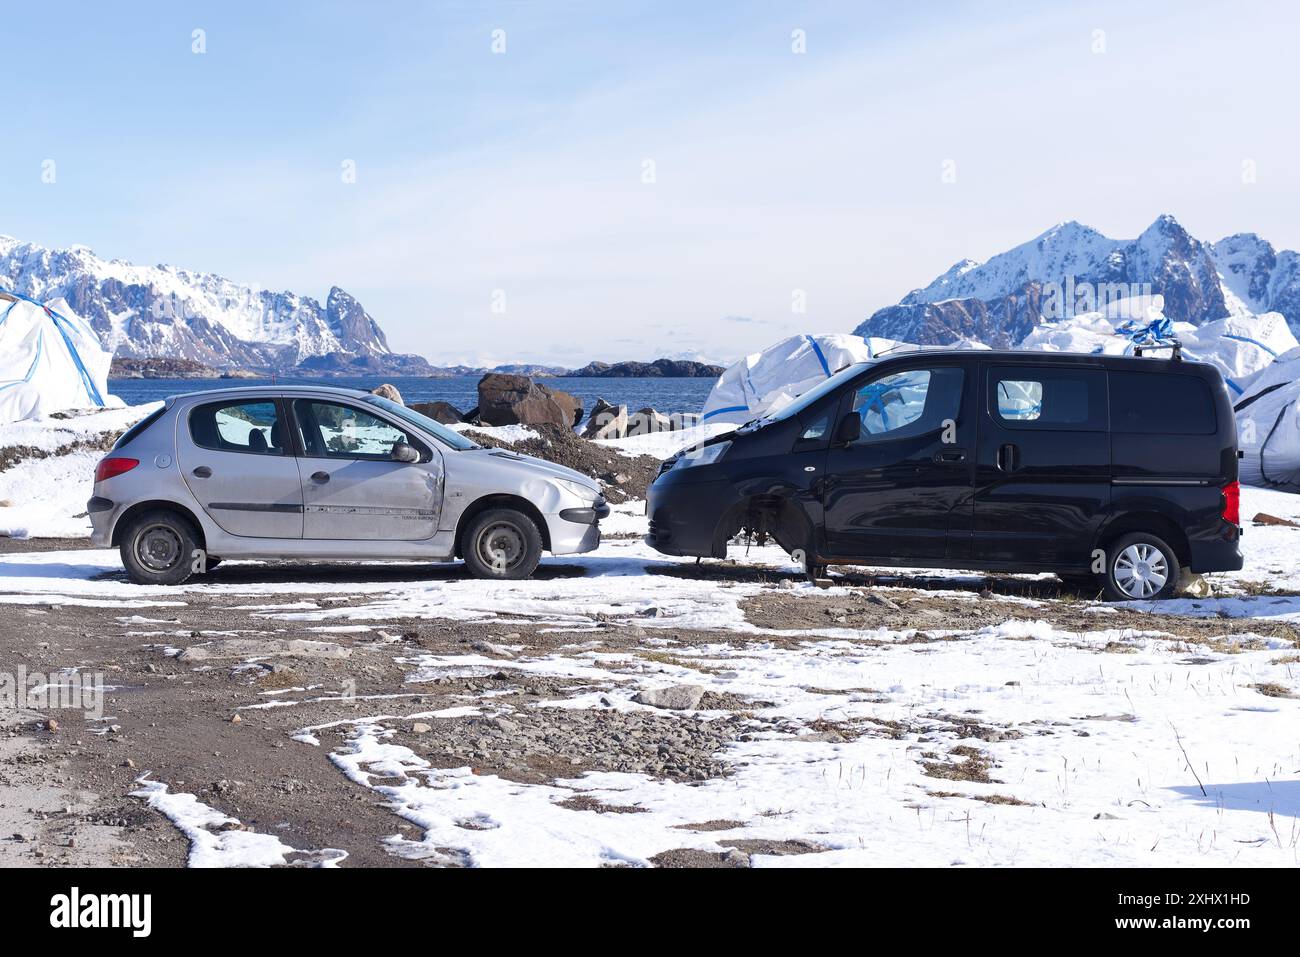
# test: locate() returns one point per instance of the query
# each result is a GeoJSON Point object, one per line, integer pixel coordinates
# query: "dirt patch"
{"type": "Point", "coordinates": [986, 798]}
{"type": "Point", "coordinates": [693, 857]}
{"type": "Point", "coordinates": [584, 802]}
{"type": "Point", "coordinates": [720, 824]}
{"type": "Point", "coordinates": [775, 848]}
{"type": "Point", "coordinates": [973, 766]}
{"type": "Point", "coordinates": [1273, 690]}
{"type": "Point", "coordinates": [623, 477]}
{"type": "Point", "coordinates": [11, 455]}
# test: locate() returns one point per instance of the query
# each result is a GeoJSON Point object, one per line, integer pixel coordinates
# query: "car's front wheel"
{"type": "Point", "coordinates": [158, 549]}
{"type": "Point", "coordinates": [502, 543]}
{"type": "Point", "coordinates": [1142, 567]}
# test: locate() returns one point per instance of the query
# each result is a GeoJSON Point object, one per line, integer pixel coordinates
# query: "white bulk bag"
{"type": "Point", "coordinates": [50, 360]}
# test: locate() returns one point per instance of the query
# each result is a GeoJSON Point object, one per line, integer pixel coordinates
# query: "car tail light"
{"type": "Point", "coordinates": [114, 465]}
{"type": "Point", "coordinates": [1232, 503]}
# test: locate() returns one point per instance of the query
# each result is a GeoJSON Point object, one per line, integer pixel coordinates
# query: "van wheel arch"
{"type": "Point", "coordinates": [1153, 522]}
{"type": "Point", "coordinates": [480, 505]}
{"type": "Point", "coordinates": [767, 516]}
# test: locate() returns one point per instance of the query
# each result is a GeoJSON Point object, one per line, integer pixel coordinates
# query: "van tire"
{"type": "Point", "coordinates": [1138, 563]}
{"type": "Point", "coordinates": [158, 549]}
{"type": "Point", "coordinates": [502, 543]}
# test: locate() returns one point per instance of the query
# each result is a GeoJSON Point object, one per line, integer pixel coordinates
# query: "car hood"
{"type": "Point", "coordinates": [536, 465]}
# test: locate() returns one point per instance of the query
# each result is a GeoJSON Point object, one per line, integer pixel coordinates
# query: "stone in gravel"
{"type": "Point", "coordinates": [675, 698]}
{"type": "Point", "coordinates": [884, 602]}
{"type": "Point", "coordinates": [421, 728]}
{"type": "Point", "coordinates": [249, 647]}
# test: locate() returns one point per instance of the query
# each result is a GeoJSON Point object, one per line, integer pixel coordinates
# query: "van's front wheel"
{"type": "Point", "coordinates": [502, 543]}
{"type": "Point", "coordinates": [1141, 567]}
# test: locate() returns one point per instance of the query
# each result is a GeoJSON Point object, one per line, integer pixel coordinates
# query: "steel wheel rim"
{"type": "Point", "coordinates": [158, 548]}
{"type": "Point", "coordinates": [1140, 570]}
{"type": "Point", "coordinates": [501, 546]}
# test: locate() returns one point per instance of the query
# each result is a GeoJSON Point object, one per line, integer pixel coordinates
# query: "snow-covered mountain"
{"type": "Point", "coordinates": [999, 301]}
{"type": "Point", "coordinates": [163, 311]}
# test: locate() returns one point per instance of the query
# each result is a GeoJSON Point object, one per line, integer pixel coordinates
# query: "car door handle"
{"type": "Point", "coordinates": [1008, 458]}
{"type": "Point", "coordinates": [950, 455]}
{"type": "Point", "coordinates": [202, 471]}
{"type": "Point", "coordinates": [320, 476]}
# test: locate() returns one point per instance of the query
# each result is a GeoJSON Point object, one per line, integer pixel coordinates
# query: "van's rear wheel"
{"type": "Point", "coordinates": [1141, 567]}
{"type": "Point", "coordinates": [502, 543]}
{"type": "Point", "coordinates": [158, 549]}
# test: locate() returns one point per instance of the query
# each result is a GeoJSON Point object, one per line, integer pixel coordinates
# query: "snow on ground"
{"type": "Point", "coordinates": [218, 840]}
{"type": "Point", "coordinates": [1067, 757]}
{"type": "Point", "coordinates": [46, 496]}
{"type": "Point", "coordinates": [49, 434]}
{"type": "Point", "coordinates": [1008, 744]}
{"type": "Point", "coordinates": [662, 445]}
{"type": "Point", "coordinates": [502, 433]}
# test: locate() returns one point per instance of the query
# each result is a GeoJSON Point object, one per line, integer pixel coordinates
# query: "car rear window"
{"type": "Point", "coordinates": [1147, 403]}
{"type": "Point", "coordinates": [135, 431]}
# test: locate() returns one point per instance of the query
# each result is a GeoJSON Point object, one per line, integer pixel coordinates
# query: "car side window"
{"type": "Point", "coordinates": [250, 425]}
{"type": "Point", "coordinates": [914, 402]}
{"type": "Point", "coordinates": [334, 431]}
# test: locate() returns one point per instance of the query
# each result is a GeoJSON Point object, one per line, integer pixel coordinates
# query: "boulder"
{"type": "Point", "coordinates": [606, 421]}
{"type": "Point", "coordinates": [518, 400]}
{"type": "Point", "coordinates": [389, 392]}
{"type": "Point", "coordinates": [443, 412]}
{"type": "Point", "coordinates": [675, 698]}
{"type": "Point", "coordinates": [648, 421]}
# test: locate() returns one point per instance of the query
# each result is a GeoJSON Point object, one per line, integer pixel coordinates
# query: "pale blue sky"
{"type": "Point", "coordinates": [523, 171]}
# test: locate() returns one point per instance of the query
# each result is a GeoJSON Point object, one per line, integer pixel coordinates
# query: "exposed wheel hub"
{"type": "Point", "coordinates": [1141, 570]}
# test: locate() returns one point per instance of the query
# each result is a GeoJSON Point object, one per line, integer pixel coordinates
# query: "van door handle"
{"type": "Point", "coordinates": [320, 477]}
{"type": "Point", "coordinates": [950, 455]}
{"type": "Point", "coordinates": [1008, 458]}
{"type": "Point", "coordinates": [202, 471]}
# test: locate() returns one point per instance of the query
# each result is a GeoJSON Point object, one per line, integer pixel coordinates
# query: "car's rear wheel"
{"type": "Point", "coordinates": [158, 549]}
{"type": "Point", "coordinates": [1141, 567]}
{"type": "Point", "coordinates": [502, 543]}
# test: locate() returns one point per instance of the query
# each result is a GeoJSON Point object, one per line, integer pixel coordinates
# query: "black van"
{"type": "Point", "coordinates": [1115, 471]}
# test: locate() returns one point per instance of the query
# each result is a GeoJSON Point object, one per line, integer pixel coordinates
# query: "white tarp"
{"type": "Point", "coordinates": [1268, 425]}
{"type": "Point", "coordinates": [763, 382]}
{"type": "Point", "coordinates": [1241, 346]}
{"type": "Point", "coordinates": [50, 360]}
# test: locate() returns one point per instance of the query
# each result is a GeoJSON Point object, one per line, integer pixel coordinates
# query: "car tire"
{"type": "Point", "coordinates": [158, 549]}
{"type": "Point", "coordinates": [502, 543]}
{"type": "Point", "coordinates": [1141, 566]}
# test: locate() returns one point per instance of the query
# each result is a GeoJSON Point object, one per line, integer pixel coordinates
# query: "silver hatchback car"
{"type": "Point", "coordinates": [324, 474]}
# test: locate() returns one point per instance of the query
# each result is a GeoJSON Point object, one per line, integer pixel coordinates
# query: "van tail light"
{"type": "Point", "coordinates": [114, 465]}
{"type": "Point", "coordinates": [1232, 503]}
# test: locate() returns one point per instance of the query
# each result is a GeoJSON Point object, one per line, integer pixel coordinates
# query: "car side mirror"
{"type": "Point", "coordinates": [405, 453]}
{"type": "Point", "coordinates": [850, 429]}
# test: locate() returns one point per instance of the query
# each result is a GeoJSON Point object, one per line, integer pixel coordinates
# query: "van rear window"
{"type": "Point", "coordinates": [1147, 403]}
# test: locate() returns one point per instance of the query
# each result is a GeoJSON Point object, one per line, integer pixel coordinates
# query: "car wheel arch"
{"type": "Point", "coordinates": [125, 520]}
{"type": "Point", "coordinates": [500, 500]}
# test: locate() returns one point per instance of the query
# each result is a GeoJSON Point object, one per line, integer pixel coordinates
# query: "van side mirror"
{"type": "Point", "coordinates": [850, 429]}
{"type": "Point", "coordinates": [404, 453]}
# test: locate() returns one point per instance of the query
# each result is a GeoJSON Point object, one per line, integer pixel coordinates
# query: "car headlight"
{"type": "Point", "coordinates": [584, 492]}
{"type": "Point", "coordinates": [705, 456]}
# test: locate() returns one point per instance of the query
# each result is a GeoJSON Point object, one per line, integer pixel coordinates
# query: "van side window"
{"type": "Point", "coordinates": [1143, 403]}
{"type": "Point", "coordinates": [909, 403]}
{"type": "Point", "coordinates": [1063, 399]}
{"type": "Point", "coordinates": [248, 426]}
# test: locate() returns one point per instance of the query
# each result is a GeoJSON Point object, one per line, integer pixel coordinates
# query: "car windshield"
{"type": "Point", "coordinates": [439, 431]}
{"type": "Point", "coordinates": [823, 388]}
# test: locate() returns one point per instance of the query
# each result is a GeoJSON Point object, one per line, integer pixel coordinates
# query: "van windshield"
{"type": "Point", "coordinates": [822, 389]}
{"type": "Point", "coordinates": [439, 431]}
